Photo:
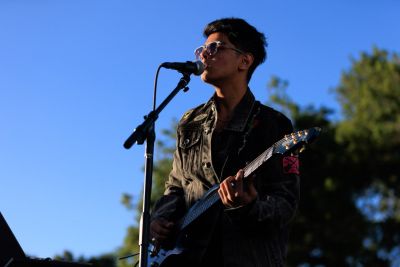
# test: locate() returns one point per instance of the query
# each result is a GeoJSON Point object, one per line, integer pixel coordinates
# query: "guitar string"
{"type": "Point", "coordinates": [213, 197]}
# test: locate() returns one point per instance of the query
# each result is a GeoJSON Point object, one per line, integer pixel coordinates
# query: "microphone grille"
{"type": "Point", "coordinates": [199, 67]}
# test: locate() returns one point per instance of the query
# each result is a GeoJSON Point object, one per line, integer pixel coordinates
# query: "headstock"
{"type": "Point", "coordinates": [296, 140]}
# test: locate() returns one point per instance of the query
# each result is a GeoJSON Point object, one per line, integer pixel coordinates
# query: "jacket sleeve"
{"type": "Point", "coordinates": [171, 205]}
{"type": "Point", "coordinates": [277, 185]}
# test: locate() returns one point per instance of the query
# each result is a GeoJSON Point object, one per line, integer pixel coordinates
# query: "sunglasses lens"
{"type": "Point", "coordinates": [212, 48]}
{"type": "Point", "coordinates": [198, 52]}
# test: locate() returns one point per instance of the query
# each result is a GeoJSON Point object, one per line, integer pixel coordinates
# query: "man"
{"type": "Point", "coordinates": [214, 142]}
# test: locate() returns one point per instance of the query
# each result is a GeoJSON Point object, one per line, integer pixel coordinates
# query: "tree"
{"type": "Point", "coordinates": [323, 233]}
{"type": "Point", "coordinates": [349, 212]}
{"type": "Point", "coordinates": [105, 260]}
{"type": "Point", "coordinates": [370, 96]}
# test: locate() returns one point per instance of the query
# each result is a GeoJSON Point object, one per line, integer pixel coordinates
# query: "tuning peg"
{"type": "Point", "coordinates": [302, 149]}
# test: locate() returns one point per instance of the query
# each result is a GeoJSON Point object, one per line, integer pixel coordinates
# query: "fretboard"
{"type": "Point", "coordinates": [212, 197]}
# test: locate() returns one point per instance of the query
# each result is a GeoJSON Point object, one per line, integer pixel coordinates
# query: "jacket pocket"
{"type": "Point", "coordinates": [190, 150]}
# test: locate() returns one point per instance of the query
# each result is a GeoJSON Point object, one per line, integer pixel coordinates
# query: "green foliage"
{"type": "Point", "coordinates": [321, 230]}
{"type": "Point", "coordinates": [129, 247]}
{"type": "Point", "coordinates": [370, 96]}
{"type": "Point", "coordinates": [105, 260]}
{"type": "Point", "coordinates": [349, 211]}
{"type": "Point", "coordinates": [279, 98]}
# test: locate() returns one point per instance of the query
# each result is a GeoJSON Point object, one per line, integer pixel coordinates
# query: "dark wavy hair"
{"type": "Point", "coordinates": [243, 36]}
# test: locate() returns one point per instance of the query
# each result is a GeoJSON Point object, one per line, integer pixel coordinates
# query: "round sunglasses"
{"type": "Point", "coordinates": [212, 49]}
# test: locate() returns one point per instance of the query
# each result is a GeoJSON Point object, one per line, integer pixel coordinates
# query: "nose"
{"type": "Point", "coordinates": [204, 54]}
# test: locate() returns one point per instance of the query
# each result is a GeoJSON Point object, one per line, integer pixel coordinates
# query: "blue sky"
{"type": "Point", "coordinates": [77, 76]}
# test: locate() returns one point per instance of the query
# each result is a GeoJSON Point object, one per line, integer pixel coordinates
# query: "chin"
{"type": "Point", "coordinates": [204, 76]}
{"type": "Point", "coordinates": [207, 77]}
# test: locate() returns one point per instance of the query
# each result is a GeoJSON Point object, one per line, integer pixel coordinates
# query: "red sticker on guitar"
{"type": "Point", "coordinates": [291, 165]}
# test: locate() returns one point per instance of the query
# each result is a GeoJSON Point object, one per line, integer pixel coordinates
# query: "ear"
{"type": "Point", "coordinates": [246, 61]}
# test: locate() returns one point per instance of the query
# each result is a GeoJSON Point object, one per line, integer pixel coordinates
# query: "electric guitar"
{"type": "Point", "coordinates": [291, 142]}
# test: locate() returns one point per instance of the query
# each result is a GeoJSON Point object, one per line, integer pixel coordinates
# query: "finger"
{"type": "Point", "coordinates": [230, 187]}
{"type": "Point", "coordinates": [226, 197]}
{"type": "Point", "coordinates": [222, 196]}
{"type": "Point", "coordinates": [156, 247]}
{"type": "Point", "coordinates": [169, 225]}
{"type": "Point", "coordinates": [155, 241]}
{"type": "Point", "coordinates": [231, 184]}
{"type": "Point", "coordinates": [159, 236]}
{"type": "Point", "coordinates": [239, 183]}
{"type": "Point", "coordinates": [224, 193]}
{"type": "Point", "coordinates": [163, 230]}
{"type": "Point", "coordinates": [160, 229]}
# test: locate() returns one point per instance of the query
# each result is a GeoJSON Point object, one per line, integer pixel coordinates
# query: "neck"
{"type": "Point", "coordinates": [228, 97]}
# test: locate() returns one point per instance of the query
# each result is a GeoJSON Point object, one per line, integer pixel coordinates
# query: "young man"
{"type": "Point", "coordinates": [215, 141]}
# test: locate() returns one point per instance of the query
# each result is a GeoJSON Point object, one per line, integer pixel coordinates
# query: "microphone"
{"type": "Point", "coordinates": [196, 67]}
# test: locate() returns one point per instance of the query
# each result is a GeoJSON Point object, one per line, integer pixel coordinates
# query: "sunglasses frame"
{"type": "Point", "coordinates": [218, 44]}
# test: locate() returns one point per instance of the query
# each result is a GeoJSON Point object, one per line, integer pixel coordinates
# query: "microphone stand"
{"type": "Point", "coordinates": [145, 131]}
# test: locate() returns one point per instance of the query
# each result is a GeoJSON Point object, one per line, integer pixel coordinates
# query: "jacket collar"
{"type": "Point", "coordinates": [241, 114]}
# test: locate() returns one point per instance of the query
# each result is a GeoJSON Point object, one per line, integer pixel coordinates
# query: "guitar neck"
{"type": "Point", "coordinates": [208, 200]}
{"type": "Point", "coordinates": [212, 196]}
{"type": "Point", "coordinates": [250, 168]}
{"type": "Point", "coordinates": [283, 146]}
